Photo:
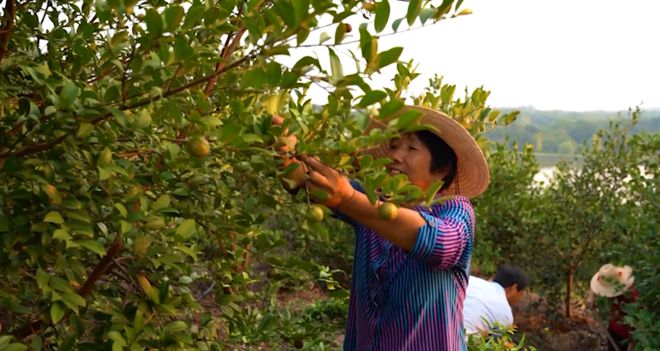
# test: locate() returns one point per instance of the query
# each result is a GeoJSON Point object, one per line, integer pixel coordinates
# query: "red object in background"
{"type": "Point", "coordinates": [617, 325]}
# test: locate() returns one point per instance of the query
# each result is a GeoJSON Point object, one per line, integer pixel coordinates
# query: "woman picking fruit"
{"type": "Point", "coordinates": [411, 266]}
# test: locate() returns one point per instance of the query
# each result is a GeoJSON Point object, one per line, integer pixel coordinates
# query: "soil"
{"type": "Point", "coordinates": [582, 331]}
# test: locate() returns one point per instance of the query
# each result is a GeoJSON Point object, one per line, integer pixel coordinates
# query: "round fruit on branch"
{"type": "Point", "coordinates": [315, 213]}
{"type": "Point", "coordinates": [105, 158]}
{"type": "Point", "coordinates": [199, 147]}
{"type": "Point", "coordinates": [388, 211]}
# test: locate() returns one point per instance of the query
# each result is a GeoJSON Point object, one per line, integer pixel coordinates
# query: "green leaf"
{"type": "Point", "coordinates": [324, 37]}
{"type": "Point", "coordinates": [390, 107]}
{"type": "Point", "coordinates": [254, 78]}
{"type": "Point", "coordinates": [122, 210]}
{"type": "Point", "coordinates": [366, 161]}
{"type": "Point", "coordinates": [365, 43]}
{"type": "Point", "coordinates": [286, 11]}
{"type": "Point", "coordinates": [372, 97]}
{"type": "Point", "coordinates": [277, 50]}
{"type": "Point", "coordinates": [273, 73]}
{"type": "Point", "coordinates": [118, 341]}
{"type": "Point", "coordinates": [492, 116]}
{"type": "Point", "coordinates": [408, 119]}
{"type": "Point", "coordinates": [388, 57]}
{"type": "Point", "coordinates": [56, 312]}
{"type": "Point", "coordinates": [510, 117]}
{"type": "Point", "coordinates": [176, 327]}
{"type": "Point", "coordinates": [68, 94]}
{"type": "Point", "coordinates": [425, 14]}
{"type": "Point", "coordinates": [50, 110]}
{"type": "Point", "coordinates": [92, 245]}
{"type": "Point", "coordinates": [335, 66]}
{"type": "Point", "coordinates": [340, 33]}
{"type": "Point", "coordinates": [229, 132]}
{"type": "Point", "coordinates": [125, 227]}
{"type": "Point", "coordinates": [84, 130]}
{"type": "Point", "coordinates": [182, 50]}
{"type": "Point", "coordinates": [154, 22]}
{"type": "Point", "coordinates": [5, 339]}
{"type": "Point", "coordinates": [162, 202]}
{"type": "Point", "coordinates": [173, 15]}
{"type": "Point", "coordinates": [301, 9]}
{"type": "Point", "coordinates": [37, 343]}
{"type": "Point", "coordinates": [73, 300]}
{"type": "Point", "coordinates": [186, 228]}
{"type": "Point", "coordinates": [61, 234]}
{"type": "Point", "coordinates": [54, 217]}
{"type": "Point", "coordinates": [14, 347]}
{"type": "Point", "coordinates": [305, 62]}
{"type": "Point", "coordinates": [78, 215]}
{"type": "Point", "coordinates": [382, 15]}
{"type": "Point", "coordinates": [42, 279]}
{"type": "Point", "coordinates": [81, 228]}
{"type": "Point", "coordinates": [414, 6]}
{"type": "Point", "coordinates": [104, 173]}
{"type": "Point", "coordinates": [396, 24]}
{"type": "Point", "coordinates": [194, 15]}
{"type": "Point", "coordinates": [60, 284]}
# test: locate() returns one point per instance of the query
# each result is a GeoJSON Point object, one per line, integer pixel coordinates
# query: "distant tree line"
{"type": "Point", "coordinates": [564, 132]}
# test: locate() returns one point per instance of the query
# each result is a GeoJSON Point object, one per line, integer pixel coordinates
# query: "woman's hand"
{"type": "Point", "coordinates": [287, 141]}
{"type": "Point", "coordinates": [329, 181]}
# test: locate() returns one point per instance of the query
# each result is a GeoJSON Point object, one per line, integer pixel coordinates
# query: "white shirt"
{"type": "Point", "coordinates": [487, 300]}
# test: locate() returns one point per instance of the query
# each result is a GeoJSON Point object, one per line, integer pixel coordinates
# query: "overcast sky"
{"type": "Point", "coordinates": [561, 54]}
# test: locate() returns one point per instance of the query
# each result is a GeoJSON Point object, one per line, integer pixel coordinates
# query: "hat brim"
{"type": "Point", "coordinates": [472, 174]}
{"type": "Point", "coordinates": [610, 290]}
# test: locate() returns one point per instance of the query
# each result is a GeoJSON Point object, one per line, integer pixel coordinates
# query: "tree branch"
{"type": "Point", "coordinates": [33, 149]}
{"type": "Point", "coordinates": [226, 52]}
{"type": "Point", "coordinates": [102, 266]}
{"type": "Point", "coordinates": [10, 14]}
{"type": "Point", "coordinates": [99, 270]}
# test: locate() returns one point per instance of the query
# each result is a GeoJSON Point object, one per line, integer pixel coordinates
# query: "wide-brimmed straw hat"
{"type": "Point", "coordinates": [611, 280]}
{"type": "Point", "coordinates": [472, 175]}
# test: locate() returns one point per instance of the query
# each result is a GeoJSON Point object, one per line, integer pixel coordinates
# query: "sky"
{"type": "Point", "coordinates": [575, 55]}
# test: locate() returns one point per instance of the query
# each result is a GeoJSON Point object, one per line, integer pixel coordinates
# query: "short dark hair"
{"type": "Point", "coordinates": [508, 274]}
{"type": "Point", "coordinates": [443, 157]}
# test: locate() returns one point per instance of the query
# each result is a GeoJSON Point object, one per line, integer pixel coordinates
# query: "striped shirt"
{"type": "Point", "coordinates": [412, 300]}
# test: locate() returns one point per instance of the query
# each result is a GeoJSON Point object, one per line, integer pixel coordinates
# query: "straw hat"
{"type": "Point", "coordinates": [472, 175]}
{"type": "Point", "coordinates": [611, 280]}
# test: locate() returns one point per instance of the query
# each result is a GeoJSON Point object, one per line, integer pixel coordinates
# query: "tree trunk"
{"type": "Point", "coordinates": [569, 289]}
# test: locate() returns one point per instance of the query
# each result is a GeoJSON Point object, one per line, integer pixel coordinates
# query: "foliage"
{"type": "Point", "coordinates": [604, 211]}
{"type": "Point", "coordinates": [499, 339]}
{"type": "Point", "coordinates": [507, 209]}
{"type": "Point", "coordinates": [139, 200]}
{"type": "Point", "coordinates": [549, 130]}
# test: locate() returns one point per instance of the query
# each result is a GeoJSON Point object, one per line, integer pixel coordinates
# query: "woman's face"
{"type": "Point", "coordinates": [411, 157]}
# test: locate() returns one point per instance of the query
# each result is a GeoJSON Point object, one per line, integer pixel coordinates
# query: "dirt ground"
{"type": "Point", "coordinates": [583, 331]}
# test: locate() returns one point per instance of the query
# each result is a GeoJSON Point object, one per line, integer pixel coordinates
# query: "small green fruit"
{"type": "Point", "coordinates": [388, 211]}
{"type": "Point", "coordinates": [105, 158]}
{"type": "Point", "coordinates": [369, 5]}
{"type": "Point", "coordinates": [315, 213]}
{"type": "Point", "coordinates": [143, 120]}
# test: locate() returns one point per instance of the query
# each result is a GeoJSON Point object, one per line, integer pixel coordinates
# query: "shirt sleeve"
{"type": "Point", "coordinates": [443, 239]}
{"type": "Point", "coordinates": [336, 214]}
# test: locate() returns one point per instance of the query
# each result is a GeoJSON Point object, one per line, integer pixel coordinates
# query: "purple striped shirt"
{"type": "Point", "coordinates": [412, 300]}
